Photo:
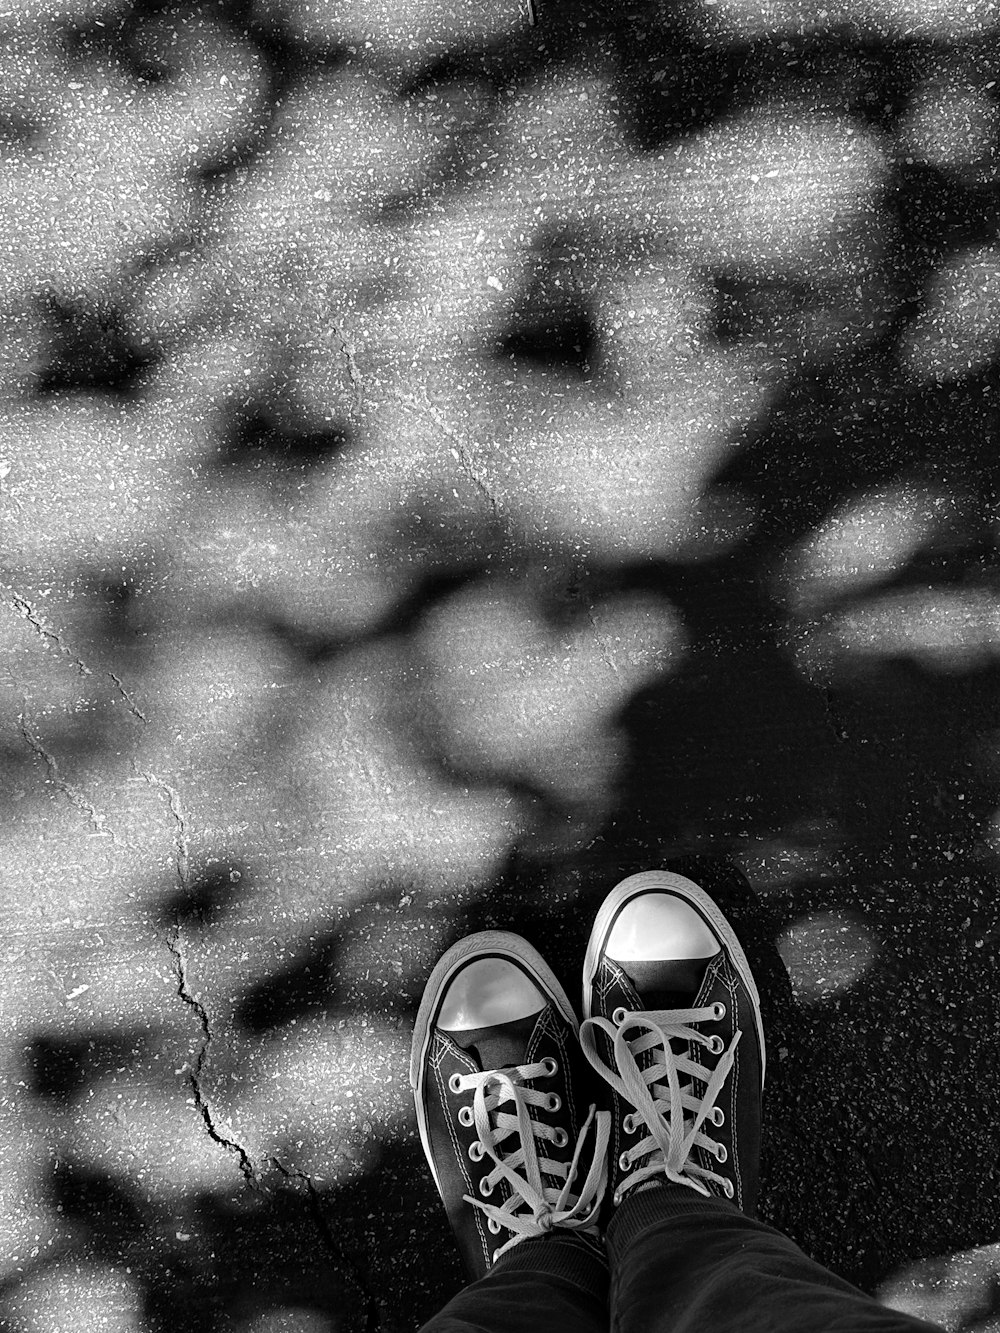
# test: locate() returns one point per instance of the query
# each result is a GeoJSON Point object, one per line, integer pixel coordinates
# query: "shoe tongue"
{"type": "Point", "coordinates": [666, 983]}
{"type": "Point", "coordinates": [499, 1046]}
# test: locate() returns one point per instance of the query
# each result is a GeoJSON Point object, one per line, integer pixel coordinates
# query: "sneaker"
{"type": "Point", "coordinates": [496, 1072]}
{"type": "Point", "coordinates": [672, 1024]}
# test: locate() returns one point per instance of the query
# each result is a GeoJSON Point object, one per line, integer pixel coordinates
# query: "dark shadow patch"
{"type": "Point", "coordinates": [207, 899]}
{"type": "Point", "coordinates": [750, 311]}
{"type": "Point", "coordinates": [91, 349]}
{"type": "Point", "coordinates": [109, 1208]}
{"type": "Point", "coordinates": [257, 438]}
{"type": "Point", "coordinates": [305, 986]}
{"type": "Point", "coordinates": [560, 339]}
{"type": "Point", "coordinates": [21, 132]}
{"type": "Point", "coordinates": [553, 326]}
{"type": "Point", "coordinates": [59, 1068]}
{"type": "Point", "coordinates": [669, 80]}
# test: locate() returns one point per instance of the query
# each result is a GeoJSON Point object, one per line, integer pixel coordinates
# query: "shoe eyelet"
{"type": "Point", "coordinates": [618, 1017]}
{"type": "Point", "coordinates": [476, 1151]}
{"type": "Point", "coordinates": [554, 1102]}
{"type": "Point", "coordinates": [550, 1067]}
{"type": "Point", "coordinates": [455, 1083]}
{"type": "Point", "coordinates": [716, 1045]}
{"type": "Point", "coordinates": [721, 1153]}
{"type": "Point", "coordinates": [485, 1187]}
{"type": "Point", "coordinates": [730, 1189]}
{"type": "Point", "coordinates": [493, 1225]}
{"type": "Point", "coordinates": [718, 1011]}
{"type": "Point", "coordinates": [465, 1116]}
{"type": "Point", "coordinates": [624, 1161]}
{"type": "Point", "coordinates": [718, 1116]}
{"type": "Point", "coordinates": [561, 1138]}
{"type": "Point", "coordinates": [629, 1125]}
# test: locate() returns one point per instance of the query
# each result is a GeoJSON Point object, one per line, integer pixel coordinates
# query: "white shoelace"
{"type": "Point", "coordinates": [547, 1207]}
{"type": "Point", "coordinates": [670, 1140]}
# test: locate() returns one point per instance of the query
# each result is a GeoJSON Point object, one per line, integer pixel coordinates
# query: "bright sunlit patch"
{"type": "Point", "coordinates": [154, 1136]}
{"type": "Point", "coordinates": [957, 332]}
{"type": "Point", "coordinates": [799, 854]}
{"type": "Point", "coordinates": [953, 123]}
{"type": "Point", "coordinates": [288, 1319]}
{"type": "Point", "coordinates": [826, 954]}
{"type": "Point", "coordinates": [775, 190]}
{"type": "Point", "coordinates": [403, 34]}
{"type": "Point", "coordinates": [327, 1094]}
{"type": "Point", "coordinates": [74, 1294]}
{"type": "Point", "coordinates": [950, 1290]}
{"type": "Point", "coordinates": [513, 695]}
{"type": "Point", "coordinates": [868, 539]}
{"type": "Point", "coordinates": [944, 632]}
{"type": "Point", "coordinates": [945, 20]}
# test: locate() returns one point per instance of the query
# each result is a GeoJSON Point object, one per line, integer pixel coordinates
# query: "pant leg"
{"type": "Point", "coordinates": [682, 1263]}
{"type": "Point", "coordinates": [549, 1284]}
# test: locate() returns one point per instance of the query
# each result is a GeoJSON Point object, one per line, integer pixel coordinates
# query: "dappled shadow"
{"type": "Point", "coordinates": [450, 463]}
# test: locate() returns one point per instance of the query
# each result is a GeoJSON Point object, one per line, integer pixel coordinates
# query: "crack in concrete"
{"type": "Point", "coordinates": [175, 943]}
{"type": "Point", "coordinates": [353, 374]}
{"type": "Point", "coordinates": [133, 706]}
{"type": "Point", "coordinates": [75, 797]}
{"type": "Point", "coordinates": [25, 609]}
{"type": "Point", "coordinates": [343, 1259]}
{"type": "Point", "coordinates": [459, 450]}
{"type": "Point", "coordinates": [182, 860]}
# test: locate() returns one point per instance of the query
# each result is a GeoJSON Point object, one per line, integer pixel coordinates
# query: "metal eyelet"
{"type": "Point", "coordinates": [554, 1102]}
{"type": "Point", "coordinates": [730, 1189]}
{"type": "Point", "coordinates": [485, 1187]}
{"type": "Point", "coordinates": [721, 1153]}
{"type": "Point", "coordinates": [628, 1124]}
{"type": "Point", "coordinates": [716, 1045]}
{"type": "Point", "coordinates": [550, 1067]}
{"type": "Point", "coordinates": [718, 1116]}
{"type": "Point", "coordinates": [493, 1225]}
{"type": "Point", "coordinates": [718, 1011]}
{"type": "Point", "coordinates": [465, 1116]}
{"type": "Point", "coordinates": [561, 1138]}
{"type": "Point", "coordinates": [618, 1017]}
{"type": "Point", "coordinates": [455, 1083]}
{"type": "Point", "coordinates": [624, 1161]}
{"type": "Point", "coordinates": [476, 1150]}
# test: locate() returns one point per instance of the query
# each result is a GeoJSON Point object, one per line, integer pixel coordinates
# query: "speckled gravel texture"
{"type": "Point", "coordinates": [453, 456]}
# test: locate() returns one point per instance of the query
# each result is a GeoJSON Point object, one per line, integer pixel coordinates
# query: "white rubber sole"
{"type": "Point", "coordinates": [502, 944]}
{"type": "Point", "coordinates": [658, 881]}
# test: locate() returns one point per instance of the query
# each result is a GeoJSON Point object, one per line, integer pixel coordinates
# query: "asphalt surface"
{"type": "Point", "coordinates": [450, 462]}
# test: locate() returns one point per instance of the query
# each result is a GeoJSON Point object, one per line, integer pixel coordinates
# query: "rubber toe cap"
{"type": "Point", "coordinates": [487, 992]}
{"type": "Point", "coordinates": [655, 926]}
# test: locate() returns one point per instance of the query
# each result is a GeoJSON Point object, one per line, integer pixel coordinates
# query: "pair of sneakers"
{"type": "Point", "coordinates": [533, 1122]}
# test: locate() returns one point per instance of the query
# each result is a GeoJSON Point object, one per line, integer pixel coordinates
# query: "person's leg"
{"type": "Point", "coordinates": [501, 1094]}
{"type": "Point", "coordinates": [687, 1264]}
{"type": "Point", "coordinates": [672, 1025]}
{"type": "Point", "coordinates": [555, 1284]}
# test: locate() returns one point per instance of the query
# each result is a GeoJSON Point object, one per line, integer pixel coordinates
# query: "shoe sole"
{"type": "Point", "coordinates": [503, 944]}
{"type": "Point", "coordinates": [657, 881]}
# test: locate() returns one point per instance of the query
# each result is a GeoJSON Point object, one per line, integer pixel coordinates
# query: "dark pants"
{"type": "Point", "coordinates": [679, 1263]}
